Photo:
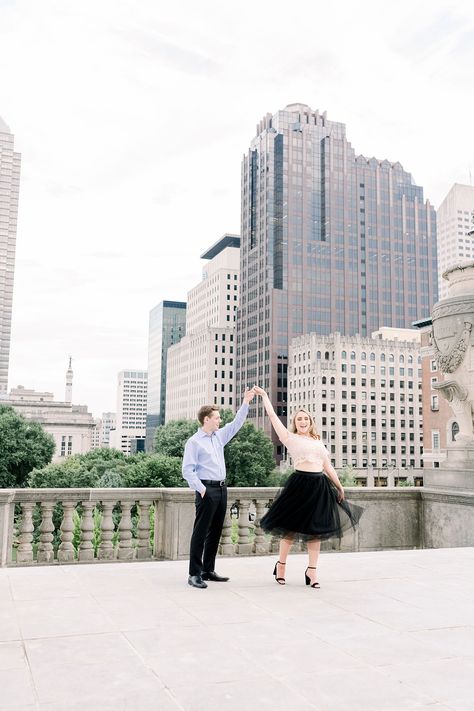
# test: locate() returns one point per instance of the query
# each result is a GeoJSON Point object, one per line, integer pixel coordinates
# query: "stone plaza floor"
{"type": "Point", "coordinates": [387, 631]}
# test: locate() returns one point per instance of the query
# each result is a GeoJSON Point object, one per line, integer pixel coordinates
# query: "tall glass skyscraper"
{"type": "Point", "coordinates": [167, 326]}
{"type": "Point", "coordinates": [331, 241]}
{"type": "Point", "coordinates": [9, 189]}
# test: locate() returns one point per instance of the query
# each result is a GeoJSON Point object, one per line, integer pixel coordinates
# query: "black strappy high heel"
{"type": "Point", "coordinates": [308, 579]}
{"type": "Point", "coordinates": [280, 581]}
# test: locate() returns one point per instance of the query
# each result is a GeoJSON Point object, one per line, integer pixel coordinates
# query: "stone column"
{"type": "Point", "coordinates": [66, 549]}
{"type": "Point", "coordinates": [226, 545]}
{"type": "Point", "coordinates": [125, 547]}
{"type": "Point", "coordinates": [261, 544]}
{"type": "Point", "coordinates": [244, 547]}
{"type": "Point", "coordinates": [106, 548]}
{"type": "Point", "coordinates": [452, 340]}
{"type": "Point", "coordinates": [86, 549]}
{"type": "Point", "coordinates": [45, 545]}
{"type": "Point", "coordinates": [24, 552]}
{"type": "Point", "coordinates": [144, 548]}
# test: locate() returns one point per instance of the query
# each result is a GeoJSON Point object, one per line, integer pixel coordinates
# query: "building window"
{"type": "Point", "coordinates": [454, 431]}
{"type": "Point", "coordinates": [63, 446]}
{"type": "Point", "coordinates": [434, 403]}
{"type": "Point", "coordinates": [435, 439]}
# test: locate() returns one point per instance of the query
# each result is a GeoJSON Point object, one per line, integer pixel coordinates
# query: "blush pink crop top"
{"type": "Point", "coordinates": [306, 449]}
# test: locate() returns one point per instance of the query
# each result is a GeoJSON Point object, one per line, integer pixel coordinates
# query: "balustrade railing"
{"type": "Point", "coordinates": [74, 526]}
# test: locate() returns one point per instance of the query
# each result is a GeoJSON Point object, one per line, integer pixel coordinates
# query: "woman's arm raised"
{"type": "Point", "coordinates": [278, 426]}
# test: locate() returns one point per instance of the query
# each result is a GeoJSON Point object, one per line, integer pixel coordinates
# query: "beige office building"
{"type": "Point", "coordinates": [9, 191]}
{"type": "Point", "coordinates": [103, 425]}
{"type": "Point", "coordinates": [455, 229]}
{"type": "Point", "coordinates": [201, 366]}
{"type": "Point", "coordinates": [131, 409]}
{"type": "Point", "coordinates": [72, 426]}
{"type": "Point", "coordinates": [364, 393]}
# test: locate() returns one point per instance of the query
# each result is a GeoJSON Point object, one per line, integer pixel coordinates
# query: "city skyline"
{"type": "Point", "coordinates": [332, 241]}
{"type": "Point", "coordinates": [107, 225]}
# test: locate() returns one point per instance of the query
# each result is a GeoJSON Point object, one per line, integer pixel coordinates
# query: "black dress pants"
{"type": "Point", "coordinates": [210, 514]}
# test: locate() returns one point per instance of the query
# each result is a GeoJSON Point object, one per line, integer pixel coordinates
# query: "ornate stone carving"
{"type": "Point", "coordinates": [450, 361]}
{"type": "Point", "coordinates": [451, 339]}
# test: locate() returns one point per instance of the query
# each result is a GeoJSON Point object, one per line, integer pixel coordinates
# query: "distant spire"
{"type": "Point", "coordinates": [69, 376]}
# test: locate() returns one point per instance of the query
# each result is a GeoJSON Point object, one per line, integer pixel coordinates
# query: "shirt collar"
{"type": "Point", "coordinates": [201, 433]}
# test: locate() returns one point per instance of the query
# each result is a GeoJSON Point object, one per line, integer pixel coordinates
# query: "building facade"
{"type": "Point", "coordinates": [201, 368]}
{"type": "Point", "coordinates": [72, 426]}
{"type": "Point", "coordinates": [167, 326]}
{"type": "Point", "coordinates": [103, 425]}
{"type": "Point", "coordinates": [9, 191]}
{"type": "Point", "coordinates": [331, 241]}
{"type": "Point", "coordinates": [131, 409]}
{"type": "Point", "coordinates": [364, 394]}
{"type": "Point", "coordinates": [455, 230]}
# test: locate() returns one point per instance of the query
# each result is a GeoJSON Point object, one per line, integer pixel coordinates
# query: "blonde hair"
{"type": "Point", "coordinates": [312, 429]}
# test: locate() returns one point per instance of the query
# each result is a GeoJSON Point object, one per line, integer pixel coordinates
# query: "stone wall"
{"type": "Point", "coordinates": [30, 533]}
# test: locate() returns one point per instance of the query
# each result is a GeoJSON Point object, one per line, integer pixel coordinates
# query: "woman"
{"type": "Point", "coordinates": [311, 505]}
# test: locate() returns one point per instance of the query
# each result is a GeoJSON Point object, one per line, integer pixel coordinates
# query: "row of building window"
{"type": "Point", "coordinates": [353, 356]}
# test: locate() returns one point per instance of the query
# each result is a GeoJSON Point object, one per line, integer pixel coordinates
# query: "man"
{"type": "Point", "coordinates": [204, 470]}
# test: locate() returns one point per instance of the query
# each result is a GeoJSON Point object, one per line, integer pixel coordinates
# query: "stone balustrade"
{"type": "Point", "coordinates": [54, 526]}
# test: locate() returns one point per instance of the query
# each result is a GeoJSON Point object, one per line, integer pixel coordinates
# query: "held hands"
{"type": "Point", "coordinates": [259, 391]}
{"type": "Point", "coordinates": [249, 395]}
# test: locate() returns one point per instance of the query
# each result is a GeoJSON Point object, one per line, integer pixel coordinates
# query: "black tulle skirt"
{"type": "Point", "coordinates": [307, 509]}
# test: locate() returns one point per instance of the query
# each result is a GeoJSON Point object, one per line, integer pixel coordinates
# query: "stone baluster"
{"type": "Point", "coordinates": [144, 548]}
{"type": "Point", "coordinates": [244, 547]}
{"type": "Point", "coordinates": [86, 549]}
{"type": "Point", "coordinates": [274, 546]}
{"type": "Point", "coordinates": [66, 548]}
{"type": "Point", "coordinates": [24, 552]}
{"type": "Point", "coordinates": [226, 545]}
{"type": "Point", "coordinates": [107, 529]}
{"type": "Point", "coordinates": [45, 545]}
{"type": "Point", "coordinates": [125, 547]}
{"type": "Point", "coordinates": [260, 542]}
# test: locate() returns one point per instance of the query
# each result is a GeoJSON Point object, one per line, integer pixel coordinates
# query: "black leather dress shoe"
{"type": "Point", "coordinates": [214, 577]}
{"type": "Point", "coordinates": [196, 581]}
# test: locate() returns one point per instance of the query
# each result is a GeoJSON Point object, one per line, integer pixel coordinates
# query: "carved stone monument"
{"type": "Point", "coordinates": [452, 339]}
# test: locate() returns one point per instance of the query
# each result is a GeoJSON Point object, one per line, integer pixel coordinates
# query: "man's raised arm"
{"type": "Point", "coordinates": [226, 433]}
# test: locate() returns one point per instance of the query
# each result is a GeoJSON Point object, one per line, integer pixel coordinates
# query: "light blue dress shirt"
{"type": "Point", "coordinates": [204, 453]}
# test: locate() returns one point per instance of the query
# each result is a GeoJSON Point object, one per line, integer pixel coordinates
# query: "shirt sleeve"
{"type": "Point", "coordinates": [189, 467]}
{"type": "Point", "coordinates": [226, 433]}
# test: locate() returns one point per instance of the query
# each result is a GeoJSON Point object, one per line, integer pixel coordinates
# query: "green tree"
{"type": "Point", "coordinates": [152, 470]}
{"type": "Point", "coordinates": [171, 438]}
{"type": "Point", "coordinates": [24, 445]}
{"type": "Point", "coordinates": [249, 457]}
{"type": "Point", "coordinates": [71, 473]}
{"type": "Point", "coordinates": [98, 468]}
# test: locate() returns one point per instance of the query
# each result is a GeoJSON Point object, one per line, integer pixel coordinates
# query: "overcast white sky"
{"type": "Point", "coordinates": [132, 117]}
